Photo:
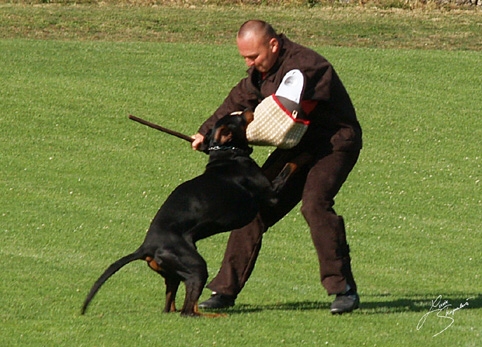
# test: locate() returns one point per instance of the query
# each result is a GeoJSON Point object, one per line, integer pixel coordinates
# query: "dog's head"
{"type": "Point", "coordinates": [229, 132]}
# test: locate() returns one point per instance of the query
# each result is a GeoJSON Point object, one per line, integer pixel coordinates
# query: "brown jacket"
{"type": "Point", "coordinates": [333, 119]}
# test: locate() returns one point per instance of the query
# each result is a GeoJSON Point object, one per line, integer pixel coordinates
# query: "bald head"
{"type": "Point", "coordinates": [258, 44]}
{"type": "Point", "coordinates": [257, 28]}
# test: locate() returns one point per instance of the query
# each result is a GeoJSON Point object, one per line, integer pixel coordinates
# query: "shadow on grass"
{"type": "Point", "coordinates": [376, 304]}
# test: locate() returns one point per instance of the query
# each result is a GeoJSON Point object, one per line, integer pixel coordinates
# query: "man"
{"type": "Point", "coordinates": [332, 141]}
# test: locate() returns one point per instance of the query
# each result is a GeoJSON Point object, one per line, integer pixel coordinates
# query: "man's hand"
{"type": "Point", "coordinates": [198, 140]}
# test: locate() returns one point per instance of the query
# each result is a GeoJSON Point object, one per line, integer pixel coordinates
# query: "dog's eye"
{"type": "Point", "coordinates": [225, 131]}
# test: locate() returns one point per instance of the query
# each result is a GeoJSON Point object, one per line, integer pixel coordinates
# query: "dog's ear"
{"type": "Point", "coordinates": [248, 116]}
{"type": "Point", "coordinates": [223, 135]}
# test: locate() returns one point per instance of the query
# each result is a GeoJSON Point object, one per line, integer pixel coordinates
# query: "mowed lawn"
{"type": "Point", "coordinates": [80, 184]}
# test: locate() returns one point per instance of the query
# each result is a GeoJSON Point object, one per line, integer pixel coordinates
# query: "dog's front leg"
{"type": "Point", "coordinates": [289, 169]}
{"type": "Point", "coordinates": [279, 182]}
{"type": "Point", "coordinates": [171, 290]}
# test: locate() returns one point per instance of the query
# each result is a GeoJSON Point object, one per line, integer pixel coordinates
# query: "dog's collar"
{"type": "Point", "coordinates": [221, 148]}
{"type": "Point", "coordinates": [216, 148]}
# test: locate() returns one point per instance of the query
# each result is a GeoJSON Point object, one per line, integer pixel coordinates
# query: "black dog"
{"type": "Point", "coordinates": [225, 197]}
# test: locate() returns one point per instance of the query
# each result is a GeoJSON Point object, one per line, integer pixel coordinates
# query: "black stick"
{"type": "Point", "coordinates": [158, 127]}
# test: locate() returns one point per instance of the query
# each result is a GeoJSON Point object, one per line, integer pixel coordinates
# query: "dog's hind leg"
{"type": "Point", "coordinates": [195, 280]}
{"type": "Point", "coordinates": [172, 284]}
{"type": "Point", "coordinates": [194, 287]}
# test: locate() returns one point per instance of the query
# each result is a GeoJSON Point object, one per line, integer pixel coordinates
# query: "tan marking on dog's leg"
{"type": "Point", "coordinates": [153, 264]}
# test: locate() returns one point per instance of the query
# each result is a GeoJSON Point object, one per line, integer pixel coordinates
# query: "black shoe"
{"type": "Point", "coordinates": [345, 303]}
{"type": "Point", "coordinates": [217, 301]}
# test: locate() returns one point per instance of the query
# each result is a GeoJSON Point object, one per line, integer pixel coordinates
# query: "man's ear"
{"type": "Point", "coordinates": [274, 45]}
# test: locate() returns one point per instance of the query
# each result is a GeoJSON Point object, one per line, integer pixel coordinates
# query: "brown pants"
{"type": "Point", "coordinates": [316, 186]}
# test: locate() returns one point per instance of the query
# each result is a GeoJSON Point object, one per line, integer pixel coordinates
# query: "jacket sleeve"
{"type": "Point", "coordinates": [318, 73]}
{"type": "Point", "coordinates": [240, 98]}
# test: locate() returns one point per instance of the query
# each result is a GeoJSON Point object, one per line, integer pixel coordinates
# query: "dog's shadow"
{"type": "Point", "coordinates": [375, 304]}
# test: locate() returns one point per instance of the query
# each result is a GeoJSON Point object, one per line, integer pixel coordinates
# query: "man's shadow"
{"type": "Point", "coordinates": [375, 304]}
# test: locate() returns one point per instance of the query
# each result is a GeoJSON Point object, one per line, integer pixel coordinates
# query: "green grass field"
{"type": "Point", "coordinates": [80, 184]}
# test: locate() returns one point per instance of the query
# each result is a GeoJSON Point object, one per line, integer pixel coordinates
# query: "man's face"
{"type": "Point", "coordinates": [258, 51]}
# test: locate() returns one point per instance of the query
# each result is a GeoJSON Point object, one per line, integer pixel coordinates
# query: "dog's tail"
{"type": "Point", "coordinates": [112, 269]}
